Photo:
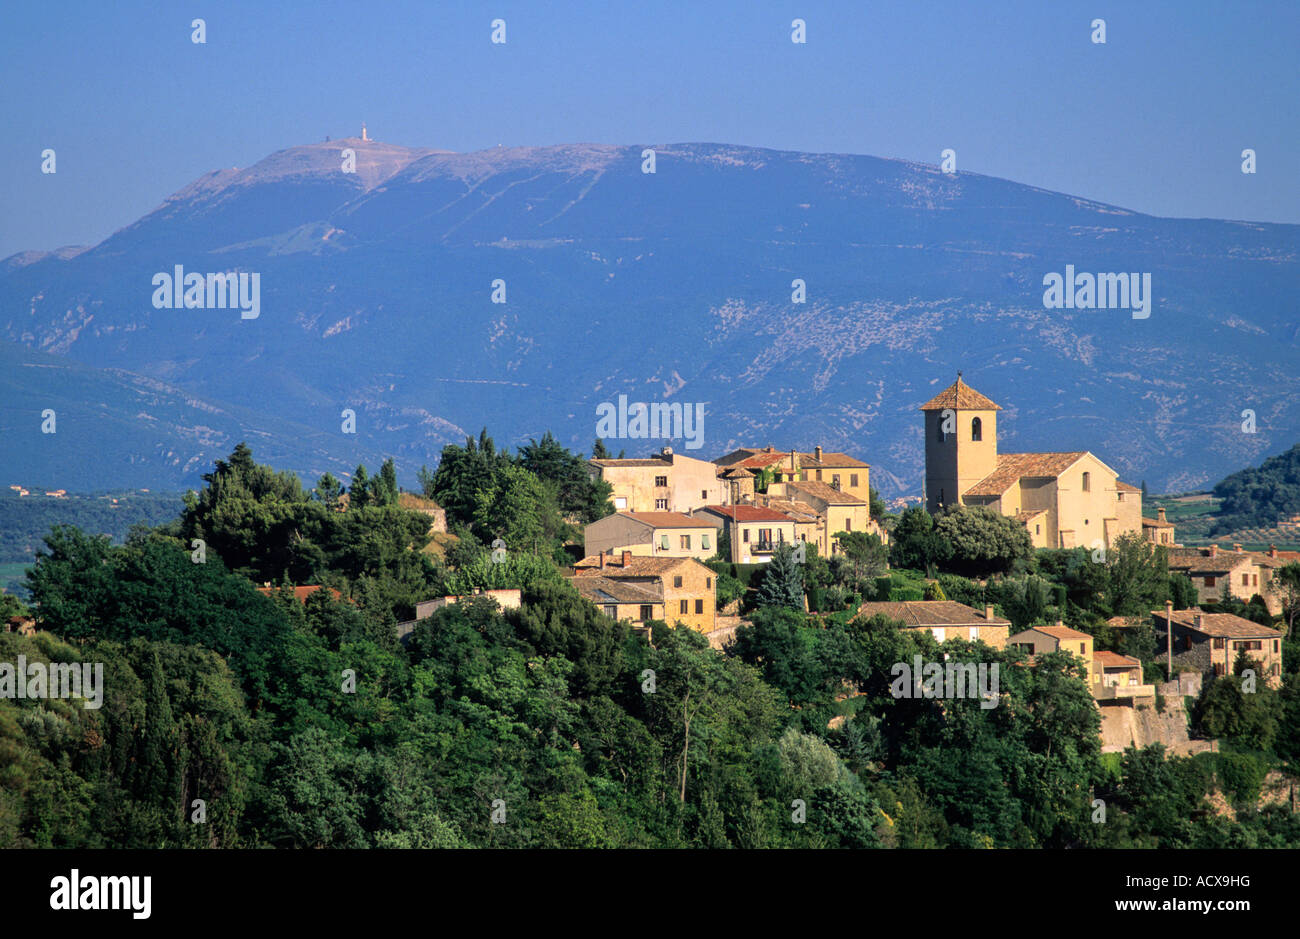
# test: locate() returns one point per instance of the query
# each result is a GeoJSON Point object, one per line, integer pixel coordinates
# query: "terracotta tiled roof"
{"type": "Point", "coordinates": [916, 613]}
{"type": "Point", "coordinates": [1198, 561]}
{"type": "Point", "coordinates": [960, 395]}
{"type": "Point", "coordinates": [1115, 660]}
{"type": "Point", "coordinates": [1012, 467]}
{"type": "Point", "coordinates": [1059, 632]}
{"type": "Point", "coordinates": [1156, 523]}
{"type": "Point", "coordinates": [637, 566]}
{"type": "Point", "coordinates": [1126, 487]}
{"type": "Point", "coordinates": [825, 492]}
{"type": "Point", "coordinates": [300, 593]}
{"type": "Point", "coordinates": [665, 519]}
{"type": "Point", "coordinates": [1030, 515]}
{"type": "Point", "coordinates": [757, 458]}
{"type": "Point", "coordinates": [799, 511]}
{"type": "Point", "coordinates": [1222, 625]}
{"type": "Point", "coordinates": [600, 589]}
{"type": "Point", "coordinates": [653, 461]}
{"type": "Point", "coordinates": [747, 513]}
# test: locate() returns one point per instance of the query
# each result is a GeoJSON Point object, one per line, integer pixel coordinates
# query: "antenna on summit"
{"type": "Point", "coordinates": [363, 131]}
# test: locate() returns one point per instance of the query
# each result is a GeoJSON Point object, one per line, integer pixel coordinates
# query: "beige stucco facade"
{"type": "Point", "coordinates": [652, 534]}
{"type": "Point", "coordinates": [1065, 499]}
{"type": "Point", "coordinates": [665, 482]}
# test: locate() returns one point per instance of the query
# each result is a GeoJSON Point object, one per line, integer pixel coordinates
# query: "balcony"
{"type": "Point", "coordinates": [764, 547]}
{"type": "Point", "coordinates": [1123, 692]}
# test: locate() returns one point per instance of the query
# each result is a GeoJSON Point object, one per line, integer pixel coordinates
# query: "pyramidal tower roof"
{"type": "Point", "coordinates": [960, 396]}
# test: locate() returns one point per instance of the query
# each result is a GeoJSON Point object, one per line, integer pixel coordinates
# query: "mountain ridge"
{"type": "Point", "coordinates": [377, 291]}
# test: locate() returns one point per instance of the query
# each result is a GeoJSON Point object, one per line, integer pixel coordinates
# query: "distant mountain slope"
{"type": "Point", "coordinates": [115, 429]}
{"type": "Point", "coordinates": [376, 295]}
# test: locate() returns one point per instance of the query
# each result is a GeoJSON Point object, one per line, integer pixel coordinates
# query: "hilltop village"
{"type": "Point", "coordinates": [665, 650]}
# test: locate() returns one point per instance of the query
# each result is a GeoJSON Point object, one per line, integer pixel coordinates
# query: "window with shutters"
{"type": "Point", "coordinates": [685, 607]}
{"type": "Point", "coordinates": [699, 606]}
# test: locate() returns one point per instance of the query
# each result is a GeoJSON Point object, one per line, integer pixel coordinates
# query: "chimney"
{"type": "Point", "coordinates": [817, 452]}
{"type": "Point", "coordinates": [1272, 550]}
{"type": "Point", "coordinates": [1236, 547]}
{"type": "Point", "coordinates": [1214, 550]}
{"type": "Point", "coordinates": [1160, 514]}
{"type": "Point", "coordinates": [1199, 620]}
{"type": "Point", "coordinates": [988, 611]}
{"type": "Point", "coordinates": [1060, 623]}
{"type": "Point", "coordinates": [602, 560]}
{"type": "Point", "coordinates": [627, 558]}
{"type": "Point", "coordinates": [794, 462]}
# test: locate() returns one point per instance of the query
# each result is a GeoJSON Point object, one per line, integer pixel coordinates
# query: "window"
{"type": "Point", "coordinates": [1256, 576]}
{"type": "Point", "coordinates": [835, 481]}
{"type": "Point", "coordinates": [699, 606]}
{"type": "Point", "coordinates": [661, 504]}
{"type": "Point", "coordinates": [1245, 580]}
{"type": "Point", "coordinates": [677, 581]}
{"type": "Point", "coordinates": [661, 481]}
{"type": "Point", "coordinates": [819, 475]}
{"type": "Point", "coordinates": [744, 535]}
{"type": "Point", "coordinates": [1218, 669]}
{"type": "Point", "coordinates": [974, 633]}
{"type": "Point", "coordinates": [611, 611]}
{"type": "Point", "coordinates": [704, 542]}
{"type": "Point", "coordinates": [848, 524]}
{"type": "Point", "coordinates": [686, 542]}
{"type": "Point", "coordinates": [853, 480]}
{"type": "Point", "coordinates": [663, 543]}
{"type": "Point", "coordinates": [939, 633]}
{"type": "Point", "coordinates": [685, 607]}
{"type": "Point", "coordinates": [1038, 529]}
{"type": "Point", "coordinates": [1253, 645]}
{"type": "Point", "coordinates": [1275, 646]}
{"type": "Point", "coordinates": [1209, 580]}
{"type": "Point", "coordinates": [1087, 482]}
{"type": "Point", "coordinates": [976, 429]}
{"type": "Point", "coordinates": [647, 612]}
{"type": "Point", "coordinates": [1218, 642]}
{"type": "Point", "coordinates": [1083, 648]}
{"type": "Point", "coordinates": [704, 494]}
{"type": "Point", "coordinates": [620, 502]}
{"type": "Point", "coordinates": [708, 582]}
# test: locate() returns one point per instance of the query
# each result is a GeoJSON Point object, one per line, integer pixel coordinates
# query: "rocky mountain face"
{"type": "Point", "coordinates": [377, 288]}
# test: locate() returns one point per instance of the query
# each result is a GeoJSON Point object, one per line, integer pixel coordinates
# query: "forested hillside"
{"type": "Point", "coordinates": [306, 724]}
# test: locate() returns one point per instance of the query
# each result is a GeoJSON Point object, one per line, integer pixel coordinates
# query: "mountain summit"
{"type": "Point", "coordinates": [378, 286]}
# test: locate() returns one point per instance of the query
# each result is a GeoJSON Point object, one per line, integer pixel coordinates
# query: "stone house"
{"type": "Point", "coordinates": [1159, 530]}
{"type": "Point", "coordinates": [1209, 642]}
{"type": "Point", "coordinates": [664, 482]}
{"type": "Point", "coordinates": [687, 586]}
{"type": "Point", "coordinates": [652, 534]}
{"type": "Point", "coordinates": [838, 470]}
{"type": "Point", "coordinates": [756, 531]}
{"type": "Point", "coordinates": [1217, 573]}
{"type": "Point", "coordinates": [944, 619]}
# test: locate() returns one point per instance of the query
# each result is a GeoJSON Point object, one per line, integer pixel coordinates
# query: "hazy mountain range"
{"type": "Point", "coordinates": [376, 295]}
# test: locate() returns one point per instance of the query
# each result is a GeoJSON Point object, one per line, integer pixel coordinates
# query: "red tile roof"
{"type": "Point", "coordinates": [960, 395]}
{"type": "Point", "coordinates": [665, 519]}
{"type": "Point", "coordinates": [1220, 625]}
{"type": "Point", "coordinates": [747, 513]}
{"type": "Point", "coordinates": [920, 613]}
{"type": "Point", "coordinates": [300, 593]}
{"type": "Point", "coordinates": [1114, 660]}
{"type": "Point", "coordinates": [1012, 467]}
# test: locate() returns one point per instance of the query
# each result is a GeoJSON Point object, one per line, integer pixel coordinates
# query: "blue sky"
{"type": "Point", "coordinates": [1154, 120]}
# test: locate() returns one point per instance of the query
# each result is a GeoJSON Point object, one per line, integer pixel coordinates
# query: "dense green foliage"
{"type": "Point", "coordinates": [306, 724]}
{"type": "Point", "coordinates": [1260, 497]}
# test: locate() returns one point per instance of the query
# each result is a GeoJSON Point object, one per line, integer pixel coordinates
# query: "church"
{"type": "Point", "coordinates": [1064, 500]}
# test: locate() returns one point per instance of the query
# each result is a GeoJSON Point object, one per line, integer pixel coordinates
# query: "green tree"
{"type": "Point", "coordinates": [915, 543]}
{"type": "Point", "coordinates": [983, 542]}
{"type": "Point", "coordinates": [782, 580]}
